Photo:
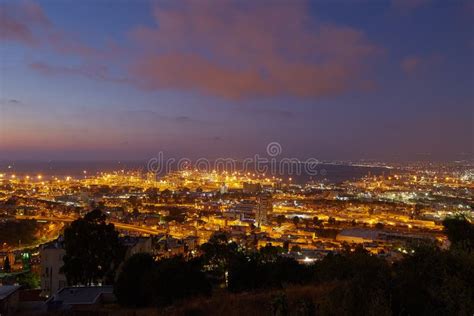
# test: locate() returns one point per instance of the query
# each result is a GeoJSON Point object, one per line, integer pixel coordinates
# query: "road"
{"type": "Point", "coordinates": [118, 225]}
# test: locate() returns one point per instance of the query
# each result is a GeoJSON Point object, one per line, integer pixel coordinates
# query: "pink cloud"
{"type": "Point", "coordinates": [231, 49]}
{"type": "Point", "coordinates": [35, 14]}
{"type": "Point", "coordinates": [236, 50]}
{"type": "Point", "coordinates": [414, 64]}
{"type": "Point", "coordinates": [20, 22]}
{"type": "Point", "coordinates": [410, 63]}
{"type": "Point", "coordinates": [96, 72]}
{"type": "Point", "coordinates": [27, 23]}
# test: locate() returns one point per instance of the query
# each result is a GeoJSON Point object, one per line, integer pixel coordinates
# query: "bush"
{"type": "Point", "coordinates": [134, 286]}
{"type": "Point", "coordinates": [144, 282]}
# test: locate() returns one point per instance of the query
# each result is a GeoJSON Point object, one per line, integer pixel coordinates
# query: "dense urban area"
{"type": "Point", "coordinates": [237, 157]}
{"type": "Point", "coordinates": [188, 216]}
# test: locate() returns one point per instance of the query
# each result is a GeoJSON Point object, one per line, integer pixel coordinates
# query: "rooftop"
{"type": "Point", "coordinates": [80, 295]}
{"type": "Point", "coordinates": [7, 290]}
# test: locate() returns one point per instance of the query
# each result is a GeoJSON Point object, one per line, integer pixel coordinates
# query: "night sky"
{"type": "Point", "coordinates": [344, 79]}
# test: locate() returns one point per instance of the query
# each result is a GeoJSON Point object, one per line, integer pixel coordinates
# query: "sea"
{"type": "Point", "coordinates": [325, 172]}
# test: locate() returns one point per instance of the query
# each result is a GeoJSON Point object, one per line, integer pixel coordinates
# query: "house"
{"type": "Point", "coordinates": [136, 245]}
{"type": "Point", "coordinates": [9, 299]}
{"type": "Point", "coordinates": [52, 279]}
{"type": "Point", "coordinates": [31, 302]}
{"type": "Point", "coordinates": [80, 298]}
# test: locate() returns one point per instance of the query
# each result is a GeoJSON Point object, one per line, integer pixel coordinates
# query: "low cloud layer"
{"type": "Point", "coordinates": [229, 49]}
{"type": "Point", "coordinates": [237, 51]}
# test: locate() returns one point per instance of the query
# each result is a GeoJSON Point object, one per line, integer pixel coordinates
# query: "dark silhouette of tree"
{"type": "Point", "coordinates": [295, 248]}
{"type": "Point", "coordinates": [244, 274]}
{"type": "Point", "coordinates": [134, 286]}
{"type": "Point", "coordinates": [7, 268]}
{"type": "Point", "coordinates": [460, 231]}
{"type": "Point", "coordinates": [431, 281]}
{"type": "Point", "coordinates": [134, 201]}
{"type": "Point", "coordinates": [317, 222]}
{"type": "Point", "coordinates": [280, 219]}
{"type": "Point", "coordinates": [165, 195]}
{"type": "Point", "coordinates": [296, 221]}
{"type": "Point", "coordinates": [363, 283]}
{"type": "Point", "coordinates": [264, 269]}
{"type": "Point", "coordinates": [269, 253]}
{"type": "Point", "coordinates": [332, 221]}
{"type": "Point", "coordinates": [176, 279]}
{"type": "Point", "coordinates": [144, 282]}
{"type": "Point", "coordinates": [379, 226]}
{"type": "Point", "coordinates": [93, 250]}
{"type": "Point", "coordinates": [29, 280]}
{"type": "Point", "coordinates": [152, 194]}
{"type": "Point", "coordinates": [434, 282]}
{"type": "Point", "coordinates": [427, 281]}
{"type": "Point", "coordinates": [217, 254]}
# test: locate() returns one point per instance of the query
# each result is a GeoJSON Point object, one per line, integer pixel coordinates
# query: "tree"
{"type": "Point", "coordinates": [295, 248]}
{"type": "Point", "coordinates": [176, 279]}
{"type": "Point", "coordinates": [331, 221]}
{"type": "Point", "coordinates": [296, 221]}
{"type": "Point", "coordinates": [152, 193]}
{"type": "Point", "coordinates": [434, 282]}
{"type": "Point", "coordinates": [264, 269]}
{"type": "Point", "coordinates": [144, 282]}
{"type": "Point", "coordinates": [317, 221]}
{"type": "Point", "coordinates": [280, 219]}
{"type": "Point", "coordinates": [218, 254]}
{"type": "Point", "coordinates": [134, 201]}
{"type": "Point", "coordinates": [362, 283]}
{"type": "Point", "coordinates": [460, 231]}
{"type": "Point", "coordinates": [6, 265]}
{"type": "Point", "coordinates": [165, 195]}
{"type": "Point", "coordinates": [29, 280]}
{"type": "Point", "coordinates": [269, 253]}
{"type": "Point", "coordinates": [134, 286]}
{"type": "Point", "coordinates": [93, 250]}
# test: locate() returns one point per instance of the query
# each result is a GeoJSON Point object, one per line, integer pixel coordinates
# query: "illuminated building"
{"type": "Point", "coordinates": [249, 187]}
{"type": "Point", "coordinates": [264, 208]}
{"type": "Point", "coordinates": [52, 279]}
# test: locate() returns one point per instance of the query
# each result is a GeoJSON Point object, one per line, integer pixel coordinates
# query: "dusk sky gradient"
{"type": "Point", "coordinates": [344, 79]}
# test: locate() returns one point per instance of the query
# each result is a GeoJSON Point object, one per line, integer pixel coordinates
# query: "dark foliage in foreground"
{"type": "Point", "coordinates": [264, 269]}
{"type": "Point", "coordinates": [428, 281]}
{"type": "Point", "coordinates": [144, 282]}
{"type": "Point", "coordinates": [93, 250]}
{"type": "Point", "coordinates": [133, 286]}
